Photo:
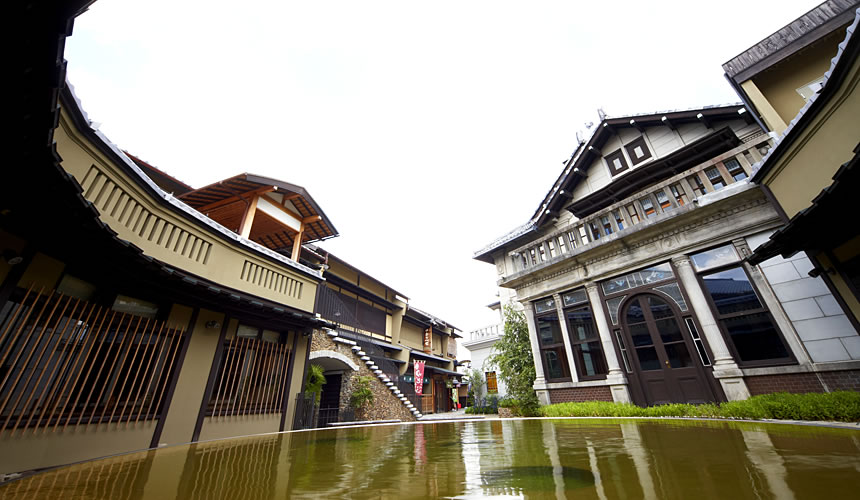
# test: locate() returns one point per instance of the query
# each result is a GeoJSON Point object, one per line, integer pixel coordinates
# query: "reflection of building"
{"type": "Point", "coordinates": [376, 322]}
{"type": "Point", "coordinates": [812, 170]}
{"type": "Point", "coordinates": [633, 276]}
{"type": "Point", "coordinates": [480, 345]}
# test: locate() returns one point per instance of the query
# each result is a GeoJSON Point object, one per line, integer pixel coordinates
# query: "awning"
{"type": "Point", "coordinates": [419, 354]}
{"type": "Point", "coordinates": [442, 370]}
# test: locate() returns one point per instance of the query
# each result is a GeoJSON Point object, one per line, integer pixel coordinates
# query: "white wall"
{"type": "Point", "coordinates": [478, 357]}
{"type": "Point", "coordinates": [825, 331]}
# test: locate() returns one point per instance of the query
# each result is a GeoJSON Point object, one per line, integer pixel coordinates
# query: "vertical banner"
{"type": "Point", "coordinates": [428, 340]}
{"type": "Point", "coordinates": [418, 369]}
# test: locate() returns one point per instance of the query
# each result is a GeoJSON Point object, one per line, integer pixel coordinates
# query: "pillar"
{"type": "Point", "coordinates": [615, 378]}
{"type": "Point", "coordinates": [568, 348]}
{"type": "Point", "coordinates": [540, 379]}
{"type": "Point", "coordinates": [725, 368]}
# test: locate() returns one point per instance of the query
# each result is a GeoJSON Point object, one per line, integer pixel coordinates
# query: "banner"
{"type": "Point", "coordinates": [419, 377]}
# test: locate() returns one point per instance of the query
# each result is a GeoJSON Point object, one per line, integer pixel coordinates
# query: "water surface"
{"type": "Point", "coordinates": [599, 459]}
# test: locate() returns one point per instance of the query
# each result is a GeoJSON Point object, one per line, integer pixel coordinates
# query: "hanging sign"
{"type": "Point", "coordinates": [428, 340]}
{"type": "Point", "coordinates": [419, 377]}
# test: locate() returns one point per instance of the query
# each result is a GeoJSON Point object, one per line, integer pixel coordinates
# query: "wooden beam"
{"type": "Point", "coordinates": [638, 126]}
{"type": "Point", "coordinates": [667, 122]}
{"type": "Point", "coordinates": [283, 208]}
{"type": "Point", "coordinates": [248, 218]}
{"type": "Point", "coordinates": [234, 199]}
{"type": "Point", "coordinates": [312, 218]}
{"type": "Point", "coordinates": [297, 243]}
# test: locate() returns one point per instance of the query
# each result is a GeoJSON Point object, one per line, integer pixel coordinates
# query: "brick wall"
{"type": "Point", "coordinates": [848, 380]}
{"type": "Point", "coordinates": [792, 382]}
{"type": "Point", "coordinates": [580, 394]}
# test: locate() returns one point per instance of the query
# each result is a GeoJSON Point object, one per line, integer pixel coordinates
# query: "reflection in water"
{"type": "Point", "coordinates": [521, 458]}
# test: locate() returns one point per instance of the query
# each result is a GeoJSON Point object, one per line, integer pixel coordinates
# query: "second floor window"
{"type": "Point", "coordinates": [492, 385]}
{"type": "Point", "coordinates": [716, 179]}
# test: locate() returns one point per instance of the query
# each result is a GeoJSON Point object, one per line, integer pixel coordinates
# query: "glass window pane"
{"type": "Point", "coordinates": [247, 331]}
{"type": "Point", "coordinates": [648, 207]}
{"type": "Point", "coordinates": [574, 297]}
{"type": "Point", "coordinates": [640, 334]}
{"type": "Point", "coordinates": [619, 219]}
{"type": "Point", "coordinates": [672, 290]}
{"type": "Point", "coordinates": [648, 359]}
{"type": "Point", "coordinates": [731, 291]}
{"type": "Point", "coordinates": [607, 226]}
{"type": "Point", "coordinates": [735, 169]}
{"type": "Point", "coordinates": [715, 257]}
{"type": "Point", "coordinates": [715, 177]}
{"type": "Point", "coordinates": [755, 337]}
{"type": "Point", "coordinates": [657, 273]}
{"type": "Point", "coordinates": [549, 330]}
{"type": "Point", "coordinates": [613, 305]}
{"type": "Point", "coordinates": [589, 359]}
{"type": "Point", "coordinates": [678, 355]}
{"type": "Point", "coordinates": [544, 305]}
{"type": "Point", "coordinates": [554, 364]}
{"type": "Point", "coordinates": [580, 324]}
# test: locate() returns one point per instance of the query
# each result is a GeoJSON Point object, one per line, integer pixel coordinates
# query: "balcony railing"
{"type": "Point", "coordinates": [680, 190]}
{"type": "Point", "coordinates": [486, 333]}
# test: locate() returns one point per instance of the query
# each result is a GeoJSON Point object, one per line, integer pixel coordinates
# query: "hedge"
{"type": "Point", "coordinates": [843, 406]}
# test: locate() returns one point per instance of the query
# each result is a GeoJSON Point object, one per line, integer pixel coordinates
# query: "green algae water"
{"type": "Point", "coordinates": [534, 458]}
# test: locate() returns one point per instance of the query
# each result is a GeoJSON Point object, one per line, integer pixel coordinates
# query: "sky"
{"type": "Point", "coordinates": [424, 130]}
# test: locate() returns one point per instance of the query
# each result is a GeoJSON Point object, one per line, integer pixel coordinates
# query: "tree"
{"type": "Point", "coordinates": [476, 383]}
{"type": "Point", "coordinates": [512, 356]}
{"type": "Point", "coordinates": [315, 381]}
{"type": "Point", "coordinates": [362, 395]}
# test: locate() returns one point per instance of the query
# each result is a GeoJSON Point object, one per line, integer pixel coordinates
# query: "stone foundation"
{"type": "Point", "coordinates": [385, 405]}
{"type": "Point", "coordinates": [580, 394]}
{"type": "Point", "coordinates": [846, 380]}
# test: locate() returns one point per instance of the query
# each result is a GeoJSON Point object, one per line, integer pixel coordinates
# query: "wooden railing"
{"type": "Point", "coordinates": [66, 361]}
{"type": "Point", "coordinates": [251, 378]}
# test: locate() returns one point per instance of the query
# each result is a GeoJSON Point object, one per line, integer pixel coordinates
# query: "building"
{"type": "Point", "coordinates": [480, 347]}
{"type": "Point", "coordinates": [378, 334]}
{"type": "Point", "coordinates": [810, 171]}
{"type": "Point", "coordinates": [634, 278]}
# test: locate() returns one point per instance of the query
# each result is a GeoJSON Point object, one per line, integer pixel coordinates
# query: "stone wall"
{"type": "Point", "coordinates": [385, 405]}
{"type": "Point", "coordinates": [580, 394]}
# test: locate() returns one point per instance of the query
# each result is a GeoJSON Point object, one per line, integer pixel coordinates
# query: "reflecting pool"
{"type": "Point", "coordinates": [503, 458]}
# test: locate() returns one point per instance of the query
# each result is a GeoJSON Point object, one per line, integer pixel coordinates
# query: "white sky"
{"type": "Point", "coordinates": [423, 130]}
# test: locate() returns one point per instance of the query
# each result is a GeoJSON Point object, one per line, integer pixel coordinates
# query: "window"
{"type": "Point", "coordinates": [663, 200]}
{"type": "Point", "coordinates": [492, 385]}
{"type": "Point", "coordinates": [648, 207]}
{"type": "Point", "coordinates": [619, 219]}
{"type": "Point", "coordinates": [678, 193]}
{"type": "Point", "coordinates": [550, 340]}
{"type": "Point", "coordinates": [533, 255]}
{"type": "Point", "coordinates": [634, 215]}
{"type": "Point", "coordinates": [541, 252]}
{"type": "Point", "coordinates": [571, 238]}
{"type": "Point", "coordinates": [76, 287]}
{"type": "Point", "coordinates": [616, 162]}
{"type": "Point", "coordinates": [607, 226]}
{"type": "Point", "coordinates": [583, 236]}
{"type": "Point", "coordinates": [638, 151]}
{"type": "Point", "coordinates": [697, 185]}
{"type": "Point", "coordinates": [595, 232]}
{"type": "Point", "coordinates": [745, 321]}
{"type": "Point", "coordinates": [585, 343]}
{"type": "Point", "coordinates": [137, 307]}
{"type": "Point", "coordinates": [735, 170]}
{"type": "Point", "coordinates": [551, 245]}
{"type": "Point", "coordinates": [716, 179]}
{"type": "Point", "coordinates": [561, 245]}
{"type": "Point", "coordinates": [714, 257]}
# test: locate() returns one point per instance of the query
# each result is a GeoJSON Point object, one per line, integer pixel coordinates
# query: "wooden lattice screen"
{"type": "Point", "coordinates": [251, 378]}
{"type": "Point", "coordinates": [68, 361]}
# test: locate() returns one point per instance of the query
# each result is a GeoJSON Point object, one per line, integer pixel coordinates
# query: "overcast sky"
{"type": "Point", "coordinates": [423, 130]}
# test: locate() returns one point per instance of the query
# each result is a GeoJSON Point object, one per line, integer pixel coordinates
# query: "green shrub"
{"type": "Point", "coordinates": [361, 393]}
{"type": "Point", "coordinates": [839, 406]}
{"type": "Point", "coordinates": [508, 403]}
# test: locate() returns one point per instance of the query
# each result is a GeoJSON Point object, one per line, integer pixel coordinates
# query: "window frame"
{"type": "Point", "coordinates": [631, 151]}
{"type": "Point", "coordinates": [566, 373]}
{"type": "Point", "coordinates": [720, 318]}
{"type": "Point", "coordinates": [575, 343]}
{"type": "Point", "coordinates": [494, 387]}
{"type": "Point", "coordinates": [610, 162]}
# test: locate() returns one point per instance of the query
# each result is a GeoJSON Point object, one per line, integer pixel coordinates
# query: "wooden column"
{"type": "Point", "coordinates": [248, 218]}
{"type": "Point", "coordinates": [297, 243]}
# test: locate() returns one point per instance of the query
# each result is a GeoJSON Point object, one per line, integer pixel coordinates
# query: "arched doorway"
{"type": "Point", "coordinates": [663, 355]}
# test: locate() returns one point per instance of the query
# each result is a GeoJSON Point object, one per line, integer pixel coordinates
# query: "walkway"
{"type": "Point", "coordinates": [455, 415]}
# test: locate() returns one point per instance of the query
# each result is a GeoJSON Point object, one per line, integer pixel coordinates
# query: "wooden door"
{"type": "Point", "coordinates": [663, 355]}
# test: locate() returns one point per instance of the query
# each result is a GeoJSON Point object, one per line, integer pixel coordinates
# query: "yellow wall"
{"type": "Point", "coordinates": [169, 237]}
{"type": "Point", "coordinates": [412, 336]}
{"type": "Point", "coordinates": [191, 385]}
{"type": "Point", "coordinates": [242, 425]}
{"type": "Point", "coordinates": [809, 162]}
{"type": "Point", "coordinates": [75, 443]}
{"type": "Point", "coordinates": [43, 271]}
{"type": "Point", "coordinates": [779, 82]}
{"type": "Point", "coordinates": [298, 374]}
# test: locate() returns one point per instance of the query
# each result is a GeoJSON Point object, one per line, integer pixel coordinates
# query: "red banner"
{"type": "Point", "coordinates": [419, 377]}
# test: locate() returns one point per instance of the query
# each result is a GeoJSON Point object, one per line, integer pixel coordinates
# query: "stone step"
{"type": "Point", "coordinates": [390, 384]}
{"type": "Point", "coordinates": [361, 353]}
{"type": "Point", "coordinates": [355, 348]}
{"type": "Point", "coordinates": [374, 367]}
{"type": "Point", "coordinates": [377, 371]}
{"type": "Point", "coordinates": [365, 358]}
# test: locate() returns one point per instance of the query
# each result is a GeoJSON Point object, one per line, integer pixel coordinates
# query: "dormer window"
{"type": "Point", "coordinates": [616, 161]}
{"type": "Point", "coordinates": [638, 151]}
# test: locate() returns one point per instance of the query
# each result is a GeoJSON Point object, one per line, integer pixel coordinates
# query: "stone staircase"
{"type": "Point", "coordinates": [356, 350]}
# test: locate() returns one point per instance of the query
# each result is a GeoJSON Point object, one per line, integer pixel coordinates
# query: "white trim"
{"type": "Point", "coordinates": [334, 355]}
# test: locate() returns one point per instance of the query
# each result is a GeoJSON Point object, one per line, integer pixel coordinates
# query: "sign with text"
{"type": "Point", "coordinates": [428, 340]}
{"type": "Point", "coordinates": [419, 377]}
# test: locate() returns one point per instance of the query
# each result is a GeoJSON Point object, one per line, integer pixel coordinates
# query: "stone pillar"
{"type": "Point", "coordinates": [615, 378]}
{"type": "Point", "coordinates": [725, 368]}
{"type": "Point", "coordinates": [568, 349]}
{"type": "Point", "coordinates": [540, 380]}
